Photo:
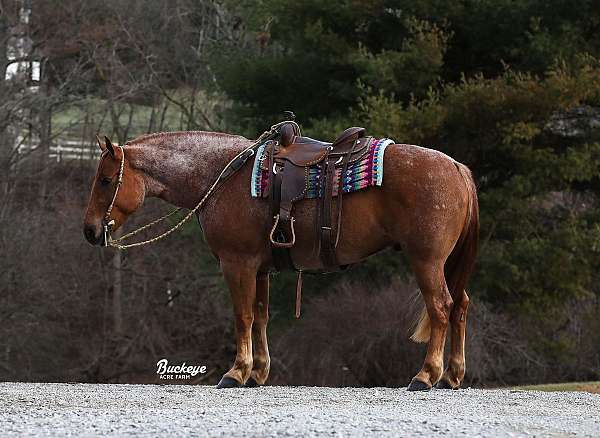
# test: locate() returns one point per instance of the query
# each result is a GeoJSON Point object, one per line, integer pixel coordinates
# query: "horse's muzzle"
{"type": "Point", "coordinates": [92, 234]}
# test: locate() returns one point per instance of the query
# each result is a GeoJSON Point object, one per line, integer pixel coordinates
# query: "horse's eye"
{"type": "Point", "coordinates": [105, 181]}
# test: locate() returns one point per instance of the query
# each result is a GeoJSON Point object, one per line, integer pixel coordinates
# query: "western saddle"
{"type": "Point", "coordinates": [288, 158]}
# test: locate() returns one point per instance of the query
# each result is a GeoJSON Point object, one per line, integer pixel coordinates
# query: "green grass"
{"type": "Point", "coordinates": [92, 113]}
{"type": "Point", "coordinates": [593, 387]}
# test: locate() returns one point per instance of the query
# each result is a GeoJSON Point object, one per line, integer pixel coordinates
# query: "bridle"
{"type": "Point", "coordinates": [232, 167]}
{"type": "Point", "coordinates": [107, 222]}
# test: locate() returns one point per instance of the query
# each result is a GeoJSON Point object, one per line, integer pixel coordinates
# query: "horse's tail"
{"type": "Point", "coordinates": [461, 261]}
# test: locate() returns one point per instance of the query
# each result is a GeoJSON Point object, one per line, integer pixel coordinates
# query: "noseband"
{"type": "Point", "coordinates": [107, 222]}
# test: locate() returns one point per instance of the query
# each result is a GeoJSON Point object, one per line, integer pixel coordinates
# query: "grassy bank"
{"type": "Point", "coordinates": [593, 387]}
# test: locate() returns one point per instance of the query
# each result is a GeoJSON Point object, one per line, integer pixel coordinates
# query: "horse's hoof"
{"type": "Point", "coordinates": [443, 384]}
{"type": "Point", "coordinates": [251, 383]}
{"type": "Point", "coordinates": [417, 385]}
{"type": "Point", "coordinates": [228, 382]}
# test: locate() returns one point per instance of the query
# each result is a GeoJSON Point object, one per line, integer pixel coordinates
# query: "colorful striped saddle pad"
{"type": "Point", "coordinates": [364, 172]}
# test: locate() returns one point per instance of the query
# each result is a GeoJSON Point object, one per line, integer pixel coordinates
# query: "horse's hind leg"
{"type": "Point", "coordinates": [241, 279]}
{"type": "Point", "coordinates": [438, 302]}
{"type": "Point", "coordinates": [260, 347]}
{"type": "Point", "coordinates": [455, 373]}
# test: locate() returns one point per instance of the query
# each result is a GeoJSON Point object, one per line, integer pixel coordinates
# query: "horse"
{"type": "Point", "coordinates": [427, 207]}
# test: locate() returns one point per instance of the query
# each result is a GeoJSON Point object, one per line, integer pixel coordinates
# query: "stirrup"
{"type": "Point", "coordinates": [282, 244]}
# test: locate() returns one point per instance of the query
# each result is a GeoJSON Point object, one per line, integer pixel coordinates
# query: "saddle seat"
{"type": "Point", "coordinates": [305, 151]}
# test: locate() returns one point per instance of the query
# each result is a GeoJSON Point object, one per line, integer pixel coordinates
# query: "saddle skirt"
{"type": "Point", "coordinates": [364, 169]}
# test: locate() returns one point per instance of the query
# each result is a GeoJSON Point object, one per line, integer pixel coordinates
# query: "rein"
{"type": "Point", "coordinates": [232, 167]}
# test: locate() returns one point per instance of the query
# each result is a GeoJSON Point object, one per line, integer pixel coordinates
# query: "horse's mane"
{"type": "Point", "coordinates": [199, 135]}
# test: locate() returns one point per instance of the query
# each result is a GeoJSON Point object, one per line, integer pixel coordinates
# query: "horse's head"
{"type": "Point", "coordinates": [118, 191]}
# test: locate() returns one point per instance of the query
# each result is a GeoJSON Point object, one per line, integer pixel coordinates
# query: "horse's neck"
{"type": "Point", "coordinates": [180, 168]}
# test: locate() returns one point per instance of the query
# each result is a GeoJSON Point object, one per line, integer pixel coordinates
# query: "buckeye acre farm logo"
{"type": "Point", "coordinates": [178, 372]}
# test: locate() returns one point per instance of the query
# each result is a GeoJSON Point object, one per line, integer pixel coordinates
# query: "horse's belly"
{"type": "Point", "coordinates": [362, 229]}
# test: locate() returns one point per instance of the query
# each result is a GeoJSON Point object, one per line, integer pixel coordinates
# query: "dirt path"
{"type": "Point", "coordinates": [84, 410]}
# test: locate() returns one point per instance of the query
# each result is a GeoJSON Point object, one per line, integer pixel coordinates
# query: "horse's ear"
{"type": "Point", "coordinates": [100, 143]}
{"type": "Point", "coordinates": [108, 145]}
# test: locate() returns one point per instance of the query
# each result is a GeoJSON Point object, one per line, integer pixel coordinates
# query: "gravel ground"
{"type": "Point", "coordinates": [50, 409]}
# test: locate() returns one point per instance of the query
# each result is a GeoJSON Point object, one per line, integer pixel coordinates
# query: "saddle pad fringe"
{"type": "Point", "coordinates": [363, 173]}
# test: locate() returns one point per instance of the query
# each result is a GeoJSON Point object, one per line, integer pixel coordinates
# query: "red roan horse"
{"type": "Point", "coordinates": [427, 206]}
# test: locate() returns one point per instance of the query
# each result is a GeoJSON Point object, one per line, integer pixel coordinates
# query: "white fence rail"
{"type": "Point", "coordinates": [63, 149]}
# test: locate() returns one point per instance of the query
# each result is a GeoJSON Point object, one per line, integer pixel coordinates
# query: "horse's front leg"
{"type": "Point", "coordinates": [240, 276]}
{"type": "Point", "coordinates": [262, 360]}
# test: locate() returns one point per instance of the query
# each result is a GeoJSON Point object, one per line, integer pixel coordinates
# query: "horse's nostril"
{"type": "Point", "coordinates": [90, 235]}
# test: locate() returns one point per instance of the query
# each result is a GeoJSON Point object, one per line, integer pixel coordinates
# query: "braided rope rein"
{"type": "Point", "coordinates": [117, 243]}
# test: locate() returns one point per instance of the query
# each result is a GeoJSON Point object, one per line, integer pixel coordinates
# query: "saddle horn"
{"type": "Point", "coordinates": [288, 133]}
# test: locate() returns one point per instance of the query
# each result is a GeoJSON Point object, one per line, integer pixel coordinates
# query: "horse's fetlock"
{"type": "Point", "coordinates": [434, 370]}
{"type": "Point", "coordinates": [261, 363]}
{"type": "Point", "coordinates": [244, 364]}
{"type": "Point", "coordinates": [456, 368]}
